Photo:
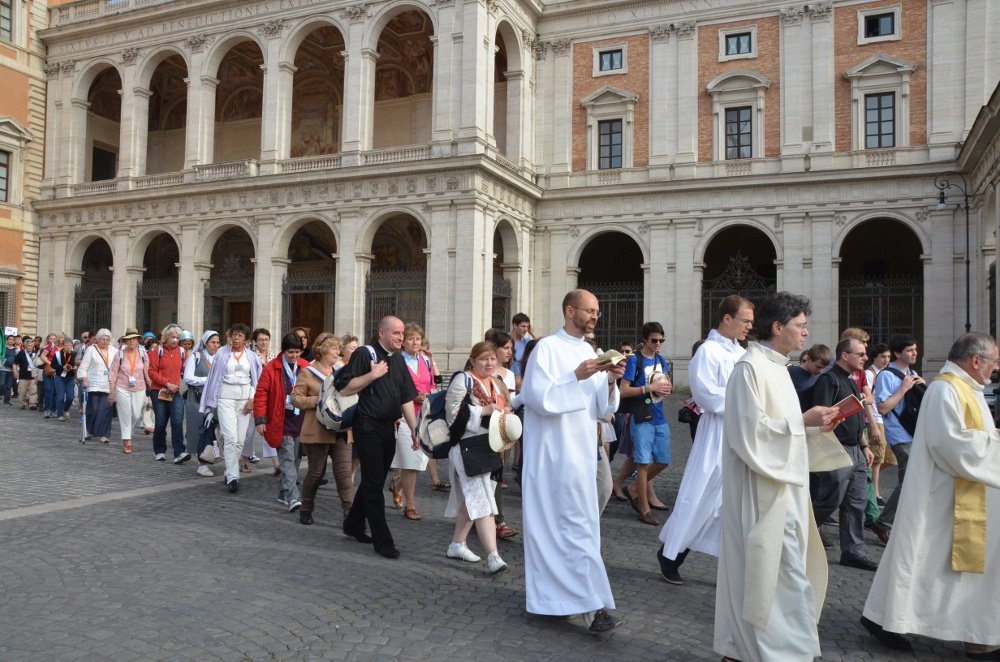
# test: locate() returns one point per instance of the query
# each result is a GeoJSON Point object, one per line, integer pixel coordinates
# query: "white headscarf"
{"type": "Point", "coordinates": [205, 337]}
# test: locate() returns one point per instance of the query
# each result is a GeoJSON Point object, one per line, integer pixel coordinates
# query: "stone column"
{"type": "Point", "coordinates": [77, 141]}
{"type": "Point", "coordinates": [277, 322]}
{"type": "Point", "coordinates": [945, 82]}
{"type": "Point", "coordinates": [824, 81]}
{"type": "Point", "coordinates": [54, 166]}
{"type": "Point", "coordinates": [440, 275]}
{"type": "Point", "coordinates": [468, 320]}
{"type": "Point", "coordinates": [562, 107]}
{"type": "Point", "coordinates": [191, 277]}
{"type": "Point", "coordinates": [687, 93]}
{"type": "Point", "coordinates": [944, 283]}
{"type": "Point", "coordinates": [65, 316]}
{"type": "Point", "coordinates": [359, 101]}
{"type": "Point", "coordinates": [796, 83]}
{"type": "Point", "coordinates": [266, 306]}
{"type": "Point", "coordinates": [473, 129]}
{"type": "Point", "coordinates": [561, 280]}
{"type": "Point", "coordinates": [515, 116]}
{"type": "Point", "coordinates": [276, 114]}
{"type": "Point", "coordinates": [442, 97]}
{"type": "Point", "coordinates": [199, 135]}
{"type": "Point", "coordinates": [352, 272]}
{"type": "Point", "coordinates": [685, 278]}
{"type": "Point", "coordinates": [662, 91]}
{"type": "Point", "coordinates": [817, 266]}
{"type": "Point", "coordinates": [45, 268]}
{"type": "Point", "coordinates": [60, 313]}
{"type": "Point", "coordinates": [134, 133]}
{"type": "Point", "coordinates": [123, 276]}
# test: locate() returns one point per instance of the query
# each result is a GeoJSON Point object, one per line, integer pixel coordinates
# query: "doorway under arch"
{"type": "Point", "coordinates": [739, 260]}
{"type": "Point", "coordinates": [397, 282]}
{"type": "Point", "coordinates": [617, 284]}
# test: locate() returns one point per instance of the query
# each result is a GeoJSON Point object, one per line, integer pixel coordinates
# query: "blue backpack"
{"type": "Point", "coordinates": [436, 436]}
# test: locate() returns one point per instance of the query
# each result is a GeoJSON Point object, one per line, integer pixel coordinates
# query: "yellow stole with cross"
{"type": "Point", "coordinates": [968, 541]}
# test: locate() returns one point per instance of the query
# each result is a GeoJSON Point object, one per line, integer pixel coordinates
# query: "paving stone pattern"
{"type": "Point", "coordinates": [108, 556]}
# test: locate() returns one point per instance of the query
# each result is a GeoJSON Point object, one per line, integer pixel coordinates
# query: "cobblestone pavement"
{"type": "Point", "coordinates": [109, 556]}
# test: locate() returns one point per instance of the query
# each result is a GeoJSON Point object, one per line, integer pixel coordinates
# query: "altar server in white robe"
{"type": "Point", "coordinates": [565, 391]}
{"type": "Point", "coordinates": [696, 522]}
{"type": "Point", "coordinates": [772, 567]}
{"type": "Point", "coordinates": [940, 574]}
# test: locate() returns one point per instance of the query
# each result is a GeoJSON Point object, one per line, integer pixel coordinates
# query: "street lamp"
{"type": "Point", "coordinates": [943, 184]}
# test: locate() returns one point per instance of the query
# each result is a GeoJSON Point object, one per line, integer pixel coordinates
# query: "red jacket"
{"type": "Point", "coordinates": [166, 368]}
{"type": "Point", "coordinates": [269, 400]}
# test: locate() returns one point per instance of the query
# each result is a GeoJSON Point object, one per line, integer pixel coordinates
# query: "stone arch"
{"type": "Point", "coordinates": [145, 70]}
{"type": "Point", "coordinates": [77, 249]}
{"type": "Point", "coordinates": [299, 33]}
{"type": "Point", "coordinates": [137, 250]}
{"type": "Point", "coordinates": [296, 223]}
{"type": "Point", "coordinates": [619, 287]}
{"type": "Point", "coordinates": [390, 12]}
{"type": "Point", "coordinates": [881, 290]}
{"type": "Point", "coordinates": [218, 51]}
{"type": "Point", "coordinates": [506, 268]}
{"type": "Point", "coordinates": [860, 219]}
{"type": "Point", "coordinates": [165, 111]}
{"type": "Point", "coordinates": [737, 258]}
{"type": "Point", "coordinates": [375, 221]}
{"type": "Point", "coordinates": [717, 228]}
{"type": "Point", "coordinates": [590, 233]}
{"type": "Point", "coordinates": [158, 252]}
{"type": "Point", "coordinates": [229, 290]}
{"type": "Point", "coordinates": [308, 288]}
{"type": "Point", "coordinates": [397, 277]}
{"type": "Point", "coordinates": [95, 67]}
{"type": "Point", "coordinates": [505, 230]}
{"type": "Point", "coordinates": [512, 41]}
{"type": "Point", "coordinates": [317, 104]}
{"type": "Point", "coordinates": [206, 243]}
{"type": "Point", "coordinates": [93, 258]}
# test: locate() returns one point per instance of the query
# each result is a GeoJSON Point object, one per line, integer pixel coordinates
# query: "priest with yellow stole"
{"type": "Point", "coordinates": [940, 574]}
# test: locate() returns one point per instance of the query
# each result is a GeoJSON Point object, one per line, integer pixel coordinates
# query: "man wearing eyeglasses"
{"type": "Point", "coordinates": [646, 382]}
{"type": "Point", "coordinates": [845, 489]}
{"type": "Point", "coordinates": [940, 574]}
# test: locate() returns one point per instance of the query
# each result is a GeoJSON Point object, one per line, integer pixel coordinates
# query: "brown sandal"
{"type": "Point", "coordinates": [127, 447]}
{"type": "Point", "coordinates": [441, 486]}
{"type": "Point", "coordinates": [411, 513]}
{"type": "Point", "coordinates": [397, 493]}
{"type": "Point", "coordinates": [244, 466]}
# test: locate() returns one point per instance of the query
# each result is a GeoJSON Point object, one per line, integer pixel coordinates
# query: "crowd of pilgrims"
{"type": "Point", "coordinates": [218, 392]}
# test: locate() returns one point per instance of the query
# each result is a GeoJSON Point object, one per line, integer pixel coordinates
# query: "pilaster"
{"type": "Point", "coordinates": [276, 114]}
{"type": "Point", "coordinates": [359, 98]}
{"type": "Point", "coordinates": [823, 82]}
{"type": "Point", "coordinates": [352, 272]}
{"type": "Point", "coordinates": [687, 94]}
{"type": "Point", "coordinates": [562, 107]}
{"type": "Point", "coordinates": [440, 272]}
{"type": "Point", "coordinates": [470, 317]}
{"type": "Point", "coordinates": [134, 131]}
{"type": "Point", "coordinates": [944, 288]}
{"type": "Point", "coordinates": [266, 301]}
{"type": "Point", "coordinates": [122, 295]}
{"type": "Point", "coordinates": [199, 136]}
{"type": "Point", "coordinates": [191, 277]}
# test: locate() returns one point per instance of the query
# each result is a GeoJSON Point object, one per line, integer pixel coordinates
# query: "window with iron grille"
{"type": "Point", "coordinates": [880, 120]}
{"type": "Point", "coordinates": [4, 176]}
{"type": "Point", "coordinates": [6, 306]}
{"type": "Point", "coordinates": [739, 134]}
{"type": "Point", "coordinates": [609, 149]}
{"type": "Point", "coordinates": [738, 44]}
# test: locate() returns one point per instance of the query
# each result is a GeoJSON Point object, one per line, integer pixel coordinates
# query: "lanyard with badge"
{"type": "Point", "coordinates": [104, 357]}
{"type": "Point", "coordinates": [132, 358]}
{"type": "Point", "coordinates": [291, 374]}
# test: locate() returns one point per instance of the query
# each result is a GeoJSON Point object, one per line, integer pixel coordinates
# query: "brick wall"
{"type": "Point", "coordinates": [635, 81]}
{"type": "Point", "coordinates": [912, 48]}
{"type": "Point", "coordinates": [767, 63]}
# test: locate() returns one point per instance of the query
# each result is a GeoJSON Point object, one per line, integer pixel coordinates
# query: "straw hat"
{"type": "Point", "coordinates": [131, 332]}
{"type": "Point", "coordinates": [505, 430]}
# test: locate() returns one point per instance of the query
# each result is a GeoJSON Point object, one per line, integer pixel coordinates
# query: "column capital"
{"type": "Point", "coordinates": [370, 54]}
{"type": "Point", "coordinates": [141, 92]}
{"type": "Point", "coordinates": [209, 81]}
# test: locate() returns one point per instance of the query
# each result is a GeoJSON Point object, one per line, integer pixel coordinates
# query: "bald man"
{"type": "Point", "coordinates": [377, 373]}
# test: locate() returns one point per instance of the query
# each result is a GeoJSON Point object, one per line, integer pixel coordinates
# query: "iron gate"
{"type": "Point", "coordinates": [92, 305]}
{"type": "Point", "coordinates": [883, 307]}
{"type": "Point", "coordinates": [233, 281]}
{"type": "Point", "coordinates": [501, 303]}
{"type": "Point", "coordinates": [395, 292]}
{"type": "Point", "coordinates": [307, 281]}
{"type": "Point", "coordinates": [738, 278]}
{"type": "Point", "coordinates": [621, 312]}
{"type": "Point", "coordinates": [147, 292]}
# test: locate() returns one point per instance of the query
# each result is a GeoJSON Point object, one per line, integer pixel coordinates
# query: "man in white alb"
{"type": "Point", "coordinates": [566, 389]}
{"type": "Point", "coordinates": [772, 567]}
{"type": "Point", "coordinates": [940, 574]}
{"type": "Point", "coordinates": [696, 522]}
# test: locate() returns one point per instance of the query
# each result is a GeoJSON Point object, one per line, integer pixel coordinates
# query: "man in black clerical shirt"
{"type": "Point", "coordinates": [385, 392]}
{"type": "Point", "coordinates": [845, 489]}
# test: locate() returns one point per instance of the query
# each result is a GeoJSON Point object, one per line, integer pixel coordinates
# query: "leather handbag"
{"type": "Point", "coordinates": [478, 457]}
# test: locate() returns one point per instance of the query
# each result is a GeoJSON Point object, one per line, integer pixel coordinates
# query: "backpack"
{"type": "Point", "coordinates": [334, 411]}
{"type": "Point", "coordinates": [436, 437]}
{"type": "Point", "coordinates": [10, 357]}
{"type": "Point", "coordinates": [911, 404]}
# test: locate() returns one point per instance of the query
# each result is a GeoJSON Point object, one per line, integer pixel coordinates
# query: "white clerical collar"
{"type": "Point", "coordinates": [564, 334]}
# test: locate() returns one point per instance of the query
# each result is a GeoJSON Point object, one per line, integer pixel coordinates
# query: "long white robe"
{"type": "Point", "coordinates": [772, 567]}
{"type": "Point", "coordinates": [915, 590]}
{"type": "Point", "coordinates": [563, 569]}
{"type": "Point", "coordinates": [696, 520]}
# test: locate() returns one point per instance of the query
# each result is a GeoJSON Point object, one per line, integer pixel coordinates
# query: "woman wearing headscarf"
{"type": "Point", "coordinates": [228, 393]}
{"type": "Point", "coordinates": [196, 369]}
{"type": "Point", "coordinates": [129, 380]}
{"type": "Point", "coordinates": [95, 378]}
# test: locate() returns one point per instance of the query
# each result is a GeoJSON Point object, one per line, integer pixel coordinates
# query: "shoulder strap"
{"type": "Point", "coordinates": [371, 352]}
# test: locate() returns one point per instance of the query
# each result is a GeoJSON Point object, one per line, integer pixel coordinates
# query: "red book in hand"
{"type": "Point", "coordinates": [849, 406]}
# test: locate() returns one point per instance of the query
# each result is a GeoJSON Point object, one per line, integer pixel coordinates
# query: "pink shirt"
{"type": "Point", "coordinates": [122, 370]}
{"type": "Point", "coordinates": [423, 379]}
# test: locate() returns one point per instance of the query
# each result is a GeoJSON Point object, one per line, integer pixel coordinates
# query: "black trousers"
{"type": "Point", "coordinates": [375, 445]}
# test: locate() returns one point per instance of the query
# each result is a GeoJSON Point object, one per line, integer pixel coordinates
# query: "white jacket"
{"type": "Point", "coordinates": [93, 368]}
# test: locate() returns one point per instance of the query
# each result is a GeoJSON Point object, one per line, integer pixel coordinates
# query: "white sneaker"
{"type": "Point", "coordinates": [295, 505]}
{"type": "Point", "coordinates": [253, 459]}
{"type": "Point", "coordinates": [283, 501]}
{"type": "Point", "coordinates": [496, 563]}
{"type": "Point", "coordinates": [160, 457]}
{"type": "Point", "coordinates": [182, 458]}
{"type": "Point", "coordinates": [461, 551]}
{"type": "Point", "coordinates": [205, 471]}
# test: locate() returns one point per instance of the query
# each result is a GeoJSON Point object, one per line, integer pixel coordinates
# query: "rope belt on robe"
{"type": "Point", "coordinates": [968, 541]}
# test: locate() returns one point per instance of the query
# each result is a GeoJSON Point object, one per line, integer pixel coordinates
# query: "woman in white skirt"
{"type": "Point", "coordinates": [229, 393]}
{"type": "Point", "coordinates": [128, 382]}
{"type": "Point", "coordinates": [471, 500]}
{"type": "Point", "coordinates": [408, 462]}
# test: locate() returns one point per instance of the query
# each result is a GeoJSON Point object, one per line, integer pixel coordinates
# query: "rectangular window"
{"type": "Point", "coordinates": [4, 176]}
{"type": "Point", "coordinates": [880, 25]}
{"type": "Point", "coordinates": [610, 60]}
{"type": "Point", "coordinates": [104, 165]}
{"type": "Point", "coordinates": [738, 44]}
{"type": "Point", "coordinates": [6, 19]}
{"type": "Point", "coordinates": [739, 134]}
{"type": "Point", "coordinates": [880, 120]}
{"type": "Point", "coordinates": [609, 144]}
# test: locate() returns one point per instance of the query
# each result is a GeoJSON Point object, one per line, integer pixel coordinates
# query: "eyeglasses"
{"type": "Point", "coordinates": [857, 353]}
{"type": "Point", "coordinates": [656, 341]}
{"type": "Point", "coordinates": [990, 359]}
{"type": "Point", "coordinates": [593, 312]}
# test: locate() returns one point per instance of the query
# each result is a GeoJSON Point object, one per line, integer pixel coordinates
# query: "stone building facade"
{"type": "Point", "coordinates": [321, 163]}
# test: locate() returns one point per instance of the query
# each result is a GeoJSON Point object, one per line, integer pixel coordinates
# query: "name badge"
{"type": "Point", "coordinates": [288, 403]}
{"type": "Point", "coordinates": [131, 381]}
{"type": "Point", "coordinates": [106, 373]}
{"type": "Point", "coordinates": [239, 369]}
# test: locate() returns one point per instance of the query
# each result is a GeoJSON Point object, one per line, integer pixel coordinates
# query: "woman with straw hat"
{"type": "Point", "coordinates": [128, 381]}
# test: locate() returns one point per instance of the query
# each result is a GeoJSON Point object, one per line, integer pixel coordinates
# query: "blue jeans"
{"type": "Point", "coordinates": [65, 392]}
{"type": "Point", "coordinates": [6, 383]}
{"type": "Point", "coordinates": [48, 393]}
{"type": "Point", "coordinates": [173, 412]}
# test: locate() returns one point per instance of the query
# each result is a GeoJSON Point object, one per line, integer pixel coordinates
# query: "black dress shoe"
{"type": "Point", "coordinates": [323, 481]}
{"type": "Point", "coordinates": [882, 533]}
{"type": "Point", "coordinates": [862, 563]}
{"type": "Point", "coordinates": [305, 518]}
{"type": "Point", "coordinates": [233, 486]}
{"type": "Point", "coordinates": [670, 570]}
{"type": "Point", "coordinates": [888, 639]}
{"type": "Point", "coordinates": [604, 622]}
{"type": "Point", "coordinates": [360, 537]}
{"type": "Point", "coordinates": [388, 551]}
